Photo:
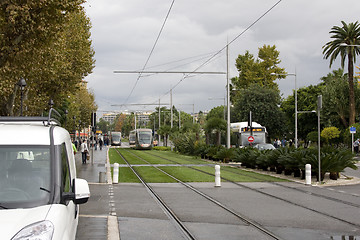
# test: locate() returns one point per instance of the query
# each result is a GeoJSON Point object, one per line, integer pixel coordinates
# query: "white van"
{"type": "Point", "coordinates": [39, 191]}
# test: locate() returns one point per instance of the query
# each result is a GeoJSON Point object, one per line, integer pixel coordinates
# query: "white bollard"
{"type": "Point", "coordinates": [308, 174]}
{"type": "Point", "coordinates": [116, 173]}
{"type": "Point", "coordinates": [217, 176]}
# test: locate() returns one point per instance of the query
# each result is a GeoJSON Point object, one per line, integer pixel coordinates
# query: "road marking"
{"type": "Point", "coordinates": [113, 228]}
{"type": "Point", "coordinates": [93, 216]}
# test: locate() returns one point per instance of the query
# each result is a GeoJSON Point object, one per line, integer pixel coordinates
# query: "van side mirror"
{"type": "Point", "coordinates": [82, 191]}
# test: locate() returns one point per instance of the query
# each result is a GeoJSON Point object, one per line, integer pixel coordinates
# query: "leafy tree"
{"type": "Point", "coordinates": [119, 122]}
{"type": "Point", "coordinates": [128, 124]}
{"type": "Point", "coordinates": [348, 34]}
{"type": "Point", "coordinates": [217, 125]}
{"type": "Point", "coordinates": [330, 134]}
{"type": "Point", "coordinates": [47, 43]}
{"type": "Point", "coordinates": [259, 71]}
{"type": "Point", "coordinates": [336, 97]}
{"type": "Point", "coordinates": [264, 104]}
{"type": "Point", "coordinates": [165, 130]}
{"type": "Point", "coordinates": [307, 102]}
{"type": "Point", "coordinates": [103, 126]}
{"type": "Point", "coordinates": [29, 25]}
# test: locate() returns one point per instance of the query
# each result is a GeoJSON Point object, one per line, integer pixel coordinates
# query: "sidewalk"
{"type": "Point", "coordinates": [343, 180]}
{"type": "Point", "coordinates": [94, 215]}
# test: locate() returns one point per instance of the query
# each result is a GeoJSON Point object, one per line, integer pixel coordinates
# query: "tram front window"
{"type": "Point", "coordinates": [144, 138]}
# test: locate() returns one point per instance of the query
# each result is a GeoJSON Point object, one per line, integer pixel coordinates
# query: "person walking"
{"type": "Point", "coordinates": [84, 151]}
{"type": "Point", "coordinates": [356, 145]}
{"type": "Point", "coordinates": [100, 143]}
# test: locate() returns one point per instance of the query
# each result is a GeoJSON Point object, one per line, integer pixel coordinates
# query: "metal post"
{"type": "Point", "coordinates": [319, 106]}
{"type": "Point", "coordinates": [296, 121]}
{"type": "Point", "coordinates": [228, 98]}
{"type": "Point", "coordinates": [159, 124]}
{"type": "Point", "coordinates": [171, 110]}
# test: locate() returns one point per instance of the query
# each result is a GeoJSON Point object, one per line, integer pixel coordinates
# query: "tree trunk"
{"type": "Point", "coordinates": [11, 102]}
{"type": "Point", "coordinates": [343, 120]}
{"type": "Point", "coordinates": [218, 138]}
{"type": "Point", "coordinates": [351, 89]}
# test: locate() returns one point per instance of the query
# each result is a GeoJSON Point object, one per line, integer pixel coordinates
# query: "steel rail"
{"type": "Point", "coordinates": [279, 198]}
{"type": "Point", "coordinates": [241, 217]}
{"type": "Point", "coordinates": [169, 213]}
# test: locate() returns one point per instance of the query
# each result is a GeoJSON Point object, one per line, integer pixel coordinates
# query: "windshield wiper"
{"type": "Point", "coordinates": [44, 189]}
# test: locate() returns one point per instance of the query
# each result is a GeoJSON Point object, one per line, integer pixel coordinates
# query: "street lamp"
{"type": "Point", "coordinates": [296, 112]}
{"type": "Point", "coordinates": [22, 84]}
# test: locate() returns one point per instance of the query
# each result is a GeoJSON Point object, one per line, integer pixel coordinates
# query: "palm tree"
{"type": "Point", "coordinates": [348, 34]}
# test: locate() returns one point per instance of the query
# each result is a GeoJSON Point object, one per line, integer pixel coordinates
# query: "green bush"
{"type": "Point", "coordinates": [247, 157]}
{"type": "Point", "coordinates": [162, 148]}
{"type": "Point", "coordinates": [225, 154]}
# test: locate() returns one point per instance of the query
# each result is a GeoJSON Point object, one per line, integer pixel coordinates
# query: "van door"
{"type": "Point", "coordinates": [67, 187]}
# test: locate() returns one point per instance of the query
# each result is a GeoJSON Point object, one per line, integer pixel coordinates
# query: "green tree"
{"type": "Point", "coordinates": [216, 125]}
{"type": "Point", "coordinates": [29, 25]}
{"type": "Point", "coordinates": [264, 104]}
{"type": "Point", "coordinates": [348, 34]}
{"type": "Point", "coordinates": [47, 43]}
{"type": "Point", "coordinates": [103, 126]}
{"type": "Point", "coordinates": [165, 131]}
{"type": "Point", "coordinates": [330, 134]}
{"type": "Point", "coordinates": [259, 70]}
{"type": "Point", "coordinates": [336, 97]}
{"type": "Point", "coordinates": [307, 102]}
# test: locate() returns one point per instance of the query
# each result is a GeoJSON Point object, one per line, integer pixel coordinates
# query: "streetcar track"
{"type": "Point", "coordinates": [169, 213]}
{"type": "Point", "coordinates": [241, 217]}
{"type": "Point", "coordinates": [337, 200]}
{"type": "Point", "coordinates": [282, 199]}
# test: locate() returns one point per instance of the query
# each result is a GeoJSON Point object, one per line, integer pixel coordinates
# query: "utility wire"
{"type": "Point", "coordinates": [221, 50]}
{"type": "Point", "coordinates": [151, 52]}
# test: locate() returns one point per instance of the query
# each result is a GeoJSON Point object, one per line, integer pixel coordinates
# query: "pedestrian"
{"type": "Point", "coordinates": [275, 143]}
{"type": "Point", "coordinates": [84, 151]}
{"type": "Point", "coordinates": [74, 148]}
{"type": "Point", "coordinates": [100, 143]}
{"type": "Point", "coordinates": [95, 143]}
{"type": "Point", "coordinates": [356, 145]}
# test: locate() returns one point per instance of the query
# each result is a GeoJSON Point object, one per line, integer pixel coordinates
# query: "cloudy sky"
{"type": "Point", "coordinates": [124, 33]}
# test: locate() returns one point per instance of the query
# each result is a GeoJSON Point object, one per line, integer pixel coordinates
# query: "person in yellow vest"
{"type": "Point", "coordinates": [74, 148]}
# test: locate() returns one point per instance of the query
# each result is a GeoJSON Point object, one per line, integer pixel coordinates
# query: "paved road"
{"type": "Point", "coordinates": [140, 217]}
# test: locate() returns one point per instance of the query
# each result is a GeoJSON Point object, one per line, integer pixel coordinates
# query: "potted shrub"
{"type": "Point", "coordinates": [225, 154]}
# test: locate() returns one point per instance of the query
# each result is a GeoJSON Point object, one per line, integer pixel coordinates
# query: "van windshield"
{"type": "Point", "coordinates": [24, 176]}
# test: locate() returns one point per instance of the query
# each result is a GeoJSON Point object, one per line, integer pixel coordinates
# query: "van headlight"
{"type": "Point", "coordinates": [40, 231]}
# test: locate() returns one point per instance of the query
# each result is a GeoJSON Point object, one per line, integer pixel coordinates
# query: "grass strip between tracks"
{"type": "Point", "coordinates": [183, 173]}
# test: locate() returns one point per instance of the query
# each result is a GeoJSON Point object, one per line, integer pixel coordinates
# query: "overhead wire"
{"type": "Point", "coordinates": [222, 49]}
{"type": "Point", "coordinates": [151, 52]}
{"type": "Point", "coordinates": [204, 63]}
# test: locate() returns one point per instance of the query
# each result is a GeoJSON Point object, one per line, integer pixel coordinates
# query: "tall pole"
{"type": "Point", "coordinates": [193, 112]}
{"type": "Point", "coordinates": [21, 101]}
{"type": "Point", "coordinates": [159, 123]}
{"type": "Point", "coordinates": [319, 106]}
{"type": "Point", "coordinates": [228, 98]}
{"type": "Point", "coordinates": [171, 109]}
{"type": "Point", "coordinates": [296, 112]}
